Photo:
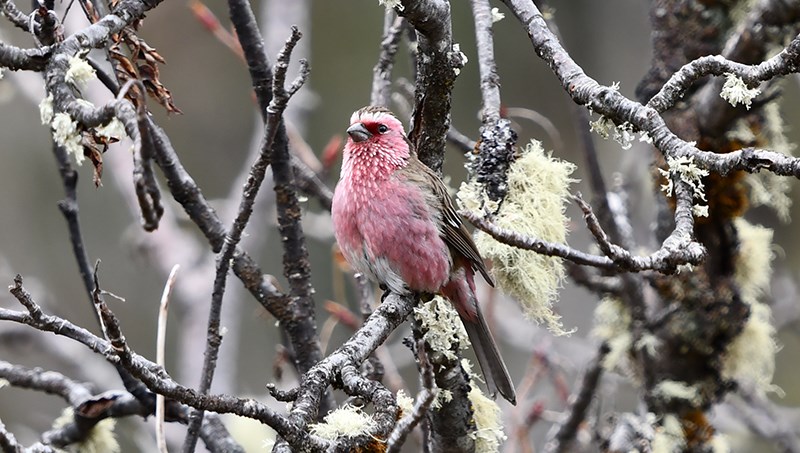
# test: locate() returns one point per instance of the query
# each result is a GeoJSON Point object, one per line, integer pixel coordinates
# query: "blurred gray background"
{"type": "Point", "coordinates": [214, 136]}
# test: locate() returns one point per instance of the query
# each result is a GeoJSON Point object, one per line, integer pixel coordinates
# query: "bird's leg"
{"type": "Point", "coordinates": [386, 292]}
{"type": "Point", "coordinates": [426, 297]}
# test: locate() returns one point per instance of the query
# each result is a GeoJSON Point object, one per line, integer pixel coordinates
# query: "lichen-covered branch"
{"type": "Point", "coordinates": [785, 62]}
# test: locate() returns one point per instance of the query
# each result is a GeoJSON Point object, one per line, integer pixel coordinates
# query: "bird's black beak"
{"type": "Point", "coordinates": [358, 132]}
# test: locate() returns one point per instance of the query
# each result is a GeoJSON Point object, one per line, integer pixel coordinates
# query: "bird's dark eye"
{"type": "Point", "coordinates": [383, 129]}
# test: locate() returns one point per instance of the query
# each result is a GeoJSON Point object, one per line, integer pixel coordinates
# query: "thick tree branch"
{"type": "Point", "coordinates": [438, 64]}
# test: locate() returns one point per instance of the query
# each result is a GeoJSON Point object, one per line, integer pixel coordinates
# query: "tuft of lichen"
{"type": "Point", "coordinates": [114, 129]}
{"type": "Point", "coordinates": [669, 437]}
{"type": "Point", "coordinates": [736, 92]}
{"type": "Point", "coordinates": [537, 188]}
{"type": "Point", "coordinates": [79, 73]}
{"type": "Point", "coordinates": [46, 110]}
{"type": "Point", "coordinates": [605, 128]}
{"type": "Point", "coordinates": [392, 4]}
{"type": "Point", "coordinates": [612, 322]}
{"type": "Point", "coordinates": [66, 134]}
{"type": "Point", "coordinates": [685, 168]}
{"type": "Point", "coordinates": [444, 331]}
{"type": "Point", "coordinates": [488, 434]}
{"type": "Point", "coordinates": [753, 264]}
{"type": "Point", "coordinates": [672, 390]}
{"type": "Point", "coordinates": [750, 357]}
{"type": "Point", "coordinates": [405, 402]}
{"type": "Point", "coordinates": [347, 421]}
{"type": "Point", "coordinates": [497, 16]}
{"type": "Point", "coordinates": [767, 188]}
{"type": "Point", "coordinates": [101, 438]}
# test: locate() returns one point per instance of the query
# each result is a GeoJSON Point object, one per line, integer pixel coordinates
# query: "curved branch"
{"type": "Point", "coordinates": [785, 62]}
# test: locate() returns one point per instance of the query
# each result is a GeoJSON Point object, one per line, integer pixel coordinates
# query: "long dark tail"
{"type": "Point", "coordinates": [492, 365]}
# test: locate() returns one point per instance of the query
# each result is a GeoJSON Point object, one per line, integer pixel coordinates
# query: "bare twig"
{"type": "Point", "coordinates": [116, 350]}
{"type": "Point", "coordinates": [50, 382]}
{"type": "Point", "coordinates": [297, 312]}
{"type": "Point", "coordinates": [422, 403]}
{"type": "Point", "coordinates": [161, 345]}
{"type": "Point", "coordinates": [382, 74]}
{"type": "Point", "coordinates": [677, 249]}
{"type": "Point", "coordinates": [460, 141]}
{"type": "Point", "coordinates": [490, 81]}
{"type": "Point", "coordinates": [69, 209]}
{"type": "Point", "coordinates": [275, 110]}
{"type": "Point", "coordinates": [583, 276]}
{"type": "Point", "coordinates": [15, 16]}
{"type": "Point", "coordinates": [760, 415]}
{"type": "Point", "coordinates": [569, 428]}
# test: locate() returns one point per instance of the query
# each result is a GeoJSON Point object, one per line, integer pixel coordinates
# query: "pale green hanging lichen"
{"type": "Point", "coordinates": [538, 186]}
{"type": "Point", "coordinates": [767, 188]}
{"type": "Point", "coordinates": [486, 414]}
{"type": "Point", "coordinates": [488, 417]}
{"type": "Point", "coordinates": [101, 438]}
{"type": "Point", "coordinates": [753, 263]}
{"type": "Point", "coordinates": [612, 322]}
{"type": "Point", "coordinates": [750, 357]}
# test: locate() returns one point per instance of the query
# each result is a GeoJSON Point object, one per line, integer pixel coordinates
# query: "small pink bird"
{"type": "Point", "coordinates": [395, 223]}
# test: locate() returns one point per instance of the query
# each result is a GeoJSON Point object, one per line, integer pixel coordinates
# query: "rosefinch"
{"type": "Point", "coordinates": [395, 223]}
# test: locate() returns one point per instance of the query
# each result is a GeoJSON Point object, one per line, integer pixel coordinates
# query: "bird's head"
{"type": "Point", "coordinates": [377, 129]}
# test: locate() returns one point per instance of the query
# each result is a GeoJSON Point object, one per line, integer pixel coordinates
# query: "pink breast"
{"type": "Point", "coordinates": [393, 223]}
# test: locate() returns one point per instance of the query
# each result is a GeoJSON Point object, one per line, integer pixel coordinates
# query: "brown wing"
{"type": "Point", "coordinates": [455, 233]}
